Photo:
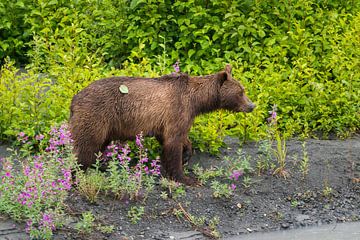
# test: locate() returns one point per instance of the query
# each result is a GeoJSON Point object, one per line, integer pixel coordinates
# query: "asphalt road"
{"type": "Point", "coordinates": [340, 231]}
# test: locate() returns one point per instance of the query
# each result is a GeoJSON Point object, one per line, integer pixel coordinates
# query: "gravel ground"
{"type": "Point", "coordinates": [269, 204]}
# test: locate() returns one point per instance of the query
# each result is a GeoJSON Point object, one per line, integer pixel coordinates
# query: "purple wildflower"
{"type": "Point", "coordinates": [39, 137]}
{"type": "Point", "coordinates": [146, 170]}
{"type": "Point", "coordinates": [139, 140]}
{"type": "Point", "coordinates": [22, 137]}
{"type": "Point", "coordinates": [59, 137]}
{"type": "Point", "coordinates": [236, 174]}
{"type": "Point", "coordinates": [125, 150]}
{"type": "Point", "coordinates": [144, 160]}
{"type": "Point", "coordinates": [232, 187]}
{"type": "Point", "coordinates": [47, 222]}
{"type": "Point", "coordinates": [272, 119]}
{"type": "Point", "coordinates": [176, 67]}
{"type": "Point", "coordinates": [155, 164]}
{"type": "Point", "coordinates": [29, 226]}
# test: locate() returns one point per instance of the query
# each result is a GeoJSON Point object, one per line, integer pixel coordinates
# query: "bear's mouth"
{"type": "Point", "coordinates": [249, 108]}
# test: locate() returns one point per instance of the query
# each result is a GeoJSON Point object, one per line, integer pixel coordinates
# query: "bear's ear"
{"type": "Point", "coordinates": [228, 69]}
{"type": "Point", "coordinates": [222, 77]}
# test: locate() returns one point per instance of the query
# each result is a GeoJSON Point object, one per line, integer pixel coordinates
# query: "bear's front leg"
{"type": "Point", "coordinates": [187, 151]}
{"type": "Point", "coordinates": [171, 161]}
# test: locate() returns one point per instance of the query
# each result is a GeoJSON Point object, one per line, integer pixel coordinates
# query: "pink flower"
{"type": "Point", "coordinates": [47, 222]}
{"type": "Point", "coordinates": [39, 137]}
{"type": "Point", "coordinates": [139, 140]}
{"type": "Point", "coordinates": [26, 170]}
{"type": "Point", "coordinates": [236, 174]}
{"type": "Point", "coordinates": [28, 225]}
{"type": "Point", "coordinates": [144, 160]}
{"type": "Point", "coordinates": [176, 67]}
{"type": "Point", "coordinates": [273, 115]}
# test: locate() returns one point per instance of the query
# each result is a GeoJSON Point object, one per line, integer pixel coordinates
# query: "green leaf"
{"type": "Point", "coordinates": [191, 52]}
{"type": "Point", "coordinates": [124, 89]}
{"type": "Point", "coordinates": [135, 3]}
{"type": "Point", "coordinates": [261, 33]}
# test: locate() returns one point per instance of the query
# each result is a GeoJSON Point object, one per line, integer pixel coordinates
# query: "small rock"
{"type": "Point", "coordinates": [302, 217]}
{"type": "Point", "coordinates": [285, 225]}
{"type": "Point", "coordinates": [172, 237]}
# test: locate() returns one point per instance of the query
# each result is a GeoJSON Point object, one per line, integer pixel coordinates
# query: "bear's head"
{"type": "Point", "coordinates": [232, 93]}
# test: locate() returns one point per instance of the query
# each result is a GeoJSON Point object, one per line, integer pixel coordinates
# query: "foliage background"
{"type": "Point", "coordinates": [303, 55]}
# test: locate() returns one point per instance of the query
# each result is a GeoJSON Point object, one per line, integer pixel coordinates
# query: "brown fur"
{"type": "Point", "coordinates": [163, 107]}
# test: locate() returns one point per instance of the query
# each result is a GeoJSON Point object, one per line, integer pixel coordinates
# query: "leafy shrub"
{"type": "Point", "coordinates": [302, 55]}
{"type": "Point", "coordinates": [14, 31]}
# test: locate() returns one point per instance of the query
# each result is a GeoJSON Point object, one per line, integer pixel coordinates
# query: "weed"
{"type": "Point", "coordinates": [304, 164]}
{"type": "Point", "coordinates": [221, 189]}
{"type": "Point", "coordinates": [213, 223]}
{"type": "Point", "coordinates": [203, 175]}
{"type": "Point", "coordinates": [199, 223]}
{"type": "Point", "coordinates": [264, 162]}
{"type": "Point", "coordinates": [91, 183]}
{"type": "Point", "coordinates": [106, 229]}
{"type": "Point", "coordinates": [178, 213]}
{"type": "Point", "coordinates": [280, 150]}
{"type": "Point", "coordinates": [86, 224]}
{"type": "Point", "coordinates": [174, 189]}
{"type": "Point", "coordinates": [280, 154]}
{"type": "Point", "coordinates": [294, 203]}
{"type": "Point", "coordinates": [327, 191]}
{"type": "Point", "coordinates": [240, 162]}
{"type": "Point", "coordinates": [164, 195]}
{"type": "Point", "coordinates": [236, 167]}
{"type": "Point", "coordinates": [135, 214]}
{"type": "Point", "coordinates": [247, 181]}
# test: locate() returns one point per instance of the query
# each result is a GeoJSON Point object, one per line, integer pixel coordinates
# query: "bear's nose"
{"type": "Point", "coordinates": [251, 106]}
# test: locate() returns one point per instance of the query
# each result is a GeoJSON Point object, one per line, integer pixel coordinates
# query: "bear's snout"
{"type": "Point", "coordinates": [251, 106]}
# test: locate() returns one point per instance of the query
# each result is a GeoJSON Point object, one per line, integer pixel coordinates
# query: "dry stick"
{"type": "Point", "coordinates": [188, 217]}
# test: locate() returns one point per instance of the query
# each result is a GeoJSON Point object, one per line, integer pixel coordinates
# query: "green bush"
{"type": "Point", "coordinates": [302, 55]}
{"type": "Point", "coordinates": [14, 31]}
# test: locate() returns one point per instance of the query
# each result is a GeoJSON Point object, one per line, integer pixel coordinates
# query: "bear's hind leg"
{"type": "Point", "coordinates": [172, 163]}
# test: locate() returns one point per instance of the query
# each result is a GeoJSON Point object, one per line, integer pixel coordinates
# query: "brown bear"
{"type": "Point", "coordinates": [163, 107]}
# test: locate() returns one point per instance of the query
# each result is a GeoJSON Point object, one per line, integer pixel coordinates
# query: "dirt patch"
{"type": "Point", "coordinates": [329, 193]}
